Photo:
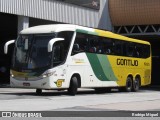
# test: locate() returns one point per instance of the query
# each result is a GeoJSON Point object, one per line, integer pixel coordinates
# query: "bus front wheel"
{"type": "Point", "coordinates": [38, 91]}
{"type": "Point", "coordinates": [72, 90]}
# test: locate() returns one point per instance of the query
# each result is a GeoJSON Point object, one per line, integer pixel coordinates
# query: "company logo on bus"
{"type": "Point", "coordinates": [59, 82]}
{"type": "Point", "coordinates": [127, 62]}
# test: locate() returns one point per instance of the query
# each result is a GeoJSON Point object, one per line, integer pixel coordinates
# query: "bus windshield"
{"type": "Point", "coordinates": [31, 51]}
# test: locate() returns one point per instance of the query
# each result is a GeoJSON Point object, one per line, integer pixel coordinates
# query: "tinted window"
{"type": "Point", "coordinates": [102, 45]}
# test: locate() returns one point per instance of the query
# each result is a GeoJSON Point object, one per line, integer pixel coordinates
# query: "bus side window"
{"type": "Point", "coordinates": [94, 44]}
{"type": "Point", "coordinates": [113, 47]}
{"type": "Point", "coordinates": [106, 46]}
{"type": "Point", "coordinates": [130, 49]}
{"type": "Point", "coordinates": [138, 50]}
{"type": "Point", "coordinates": [80, 44]}
{"type": "Point", "coordinates": [118, 48]}
{"type": "Point", "coordinates": [146, 51]}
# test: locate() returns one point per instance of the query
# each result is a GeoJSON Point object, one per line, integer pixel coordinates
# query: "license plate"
{"type": "Point", "coordinates": [26, 84]}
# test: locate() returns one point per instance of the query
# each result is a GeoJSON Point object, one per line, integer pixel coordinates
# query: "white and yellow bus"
{"type": "Point", "coordinates": [65, 56]}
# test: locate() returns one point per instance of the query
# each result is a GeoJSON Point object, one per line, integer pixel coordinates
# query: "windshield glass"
{"type": "Point", "coordinates": [31, 51]}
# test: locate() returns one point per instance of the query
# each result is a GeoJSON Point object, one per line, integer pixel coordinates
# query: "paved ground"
{"type": "Point", "coordinates": [26, 99]}
{"type": "Point", "coordinates": [147, 99]}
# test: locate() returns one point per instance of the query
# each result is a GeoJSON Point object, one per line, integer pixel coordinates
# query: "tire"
{"type": "Point", "coordinates": [136, 85]}
{"type": "Point", "coordinates": [72, 90]}
{"type": "Point", "coordinates": [129, 84]}
{"type": "Point", "coordinates": [38, 91]}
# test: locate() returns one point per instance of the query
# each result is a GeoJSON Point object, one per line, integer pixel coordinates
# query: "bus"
{"type": "Point", "coordinates": [68, 57]}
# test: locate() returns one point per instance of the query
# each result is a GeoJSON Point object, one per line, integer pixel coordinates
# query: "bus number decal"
{"type": "Point", "coordinates": [146, 64]}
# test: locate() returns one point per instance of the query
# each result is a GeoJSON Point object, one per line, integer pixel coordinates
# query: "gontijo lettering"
{"type": "Point", "coordinates": [127, 62]}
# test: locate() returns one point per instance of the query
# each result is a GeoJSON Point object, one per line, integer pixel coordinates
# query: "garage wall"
{"type": "Point", "coordinates": [51, 10]}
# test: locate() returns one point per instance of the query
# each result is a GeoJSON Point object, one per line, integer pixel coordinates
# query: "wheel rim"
{"type": "Point", "coordinates": [136, 84]}
{"type": "Point", "coordinates": [129, 85]}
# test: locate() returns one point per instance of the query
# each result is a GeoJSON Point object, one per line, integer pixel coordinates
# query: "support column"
{"type": "Point", "coordinates": [105, 20]}
{"type": "Point", "coordinates": [23, 23]}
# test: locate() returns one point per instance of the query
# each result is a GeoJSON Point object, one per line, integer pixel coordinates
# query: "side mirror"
{"type": "Point", "coordinates": [7, 44]}
{"type": "Point", "coordinates": [51, 43]}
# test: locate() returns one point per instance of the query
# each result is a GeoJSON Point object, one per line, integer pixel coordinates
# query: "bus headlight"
{"type": "Point", "coordinates": [48, 73]}
{"type": "Point", "coordinates": [11, 74]}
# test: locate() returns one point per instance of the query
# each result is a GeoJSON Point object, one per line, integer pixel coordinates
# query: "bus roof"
{"type": "Point", "coordinates": [69, 27]}
{"type": "Point", "coordinates": [48, 28]}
